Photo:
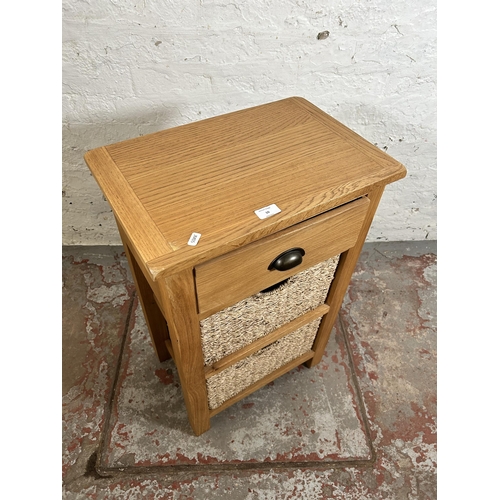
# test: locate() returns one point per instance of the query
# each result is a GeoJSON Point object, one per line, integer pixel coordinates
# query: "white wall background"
{"type": "Point", "coordinates": [135, 67]}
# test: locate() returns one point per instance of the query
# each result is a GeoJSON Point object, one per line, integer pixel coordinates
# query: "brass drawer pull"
{"type": "Point", "coordinates": [287, 260]}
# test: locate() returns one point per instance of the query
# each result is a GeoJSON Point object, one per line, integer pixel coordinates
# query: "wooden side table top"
{"type": "Point", "coordinates": [209, 177]}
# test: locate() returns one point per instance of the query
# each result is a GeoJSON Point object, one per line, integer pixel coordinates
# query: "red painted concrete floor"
{"type": "Point", "coordinates": [360, 425]}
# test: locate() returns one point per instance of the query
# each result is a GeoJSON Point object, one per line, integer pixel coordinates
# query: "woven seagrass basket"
{"type": "Point", "coordinates": [236, 326]}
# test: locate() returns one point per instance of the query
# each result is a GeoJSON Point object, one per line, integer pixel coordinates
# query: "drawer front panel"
{"type": "Point", "coordinates": [238, 377]}
{"type": "Point", "coordinates": [230, 278]}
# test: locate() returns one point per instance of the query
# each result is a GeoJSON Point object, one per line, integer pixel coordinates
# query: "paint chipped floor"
{"type": "Point", "coordinates": [360, 425]}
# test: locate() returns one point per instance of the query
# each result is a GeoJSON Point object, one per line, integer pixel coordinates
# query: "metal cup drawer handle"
{"type": "Point", "coordinates": [287, 260]}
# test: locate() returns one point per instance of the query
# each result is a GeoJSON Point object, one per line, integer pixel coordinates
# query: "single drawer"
{"type": "Point", "coordinates": [230, 278]}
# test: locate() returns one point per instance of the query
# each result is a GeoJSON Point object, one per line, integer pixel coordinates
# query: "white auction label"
{"type": "Point", "coordinates": [193, 241]}
{"type": "Point", "coordinates": [264, 213]}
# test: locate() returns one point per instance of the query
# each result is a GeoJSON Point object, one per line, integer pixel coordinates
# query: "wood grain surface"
{"type": "Point", "coordinates": [210, 176]}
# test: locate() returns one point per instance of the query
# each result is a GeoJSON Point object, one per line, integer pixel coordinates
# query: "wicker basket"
{"type": "Point", "coordinates": [254, 317]}
{"type": "Point", "coordinates": [240, 324]}
{"type": "Point", "coordinates": [238, 377]}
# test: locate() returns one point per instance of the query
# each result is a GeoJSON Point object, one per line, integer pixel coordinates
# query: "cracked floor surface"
{"type": "Point", "coordinates": [360, 425]}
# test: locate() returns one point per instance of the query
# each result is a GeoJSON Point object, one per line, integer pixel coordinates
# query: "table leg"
{"type": "Point", "coordinates": [157, 326]}
{"type": "Point", "coordinates": [341, 281]}
{"type": "Point", "coordinates": [178, 301]}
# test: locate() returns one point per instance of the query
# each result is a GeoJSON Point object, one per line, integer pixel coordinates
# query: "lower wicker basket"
{"type": "Point", "coordinates": [231, 381]}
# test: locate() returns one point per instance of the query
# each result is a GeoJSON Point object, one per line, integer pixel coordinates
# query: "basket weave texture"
{"type": "Point", "coordinates": [244, 322]}
{"type": "Point", "coordinates": [244, 373]}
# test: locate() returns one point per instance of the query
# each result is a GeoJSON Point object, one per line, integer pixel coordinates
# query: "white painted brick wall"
{"type": "Point", "coordinates": [135, 67]}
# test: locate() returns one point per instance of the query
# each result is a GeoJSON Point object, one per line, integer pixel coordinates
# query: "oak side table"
{"type": "Point", "coordinates": [242, 232]}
